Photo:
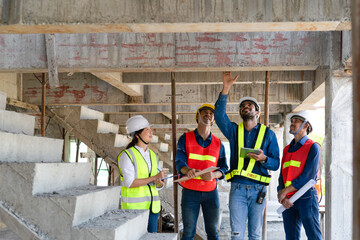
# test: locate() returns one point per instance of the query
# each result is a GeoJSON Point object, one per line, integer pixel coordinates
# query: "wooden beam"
{"type": "Point", "coordinates": [115, 79]}
{"type": "Point", "coordinates": [20, 104]}
{"type": "Point", "coordinates": [176, 27]}
{"type": "Point", "coordinates": [51, 60]}
{"type": "Point", "coordinates": [161, 104]}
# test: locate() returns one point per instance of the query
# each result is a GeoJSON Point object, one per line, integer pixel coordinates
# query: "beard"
{"type": "Point", "coordinates": [247, 116]}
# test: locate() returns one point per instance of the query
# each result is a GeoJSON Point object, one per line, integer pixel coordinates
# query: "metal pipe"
{"type": "Point", "coordinates": [356, 116]}
{"type": "Point", "coordinates": [173, 123]}
{"type": "Point", "coordinates": [77, 150]}
{"type": "Point", "coordinates": [96, 170]}
{"type": "Point", "coordinates": [266, 122]}
{"type": "Point", "coordinates": [43, 100]}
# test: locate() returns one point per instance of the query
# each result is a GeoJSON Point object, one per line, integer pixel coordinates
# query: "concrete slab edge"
{"type": "Point", "coordinates": [18, 226]}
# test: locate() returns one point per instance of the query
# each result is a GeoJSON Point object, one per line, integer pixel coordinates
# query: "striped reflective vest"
{"type": "Point", "coordinates": [293, 163]}
{"type": "Point", "coordinates": [201, 158]}
{"type": "Point", "coordinates": [144, 197]}
{"type": "Point", "coordinates": [241, 171]}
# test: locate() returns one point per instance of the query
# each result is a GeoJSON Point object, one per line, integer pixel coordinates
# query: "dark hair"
{"type": "Point", "coordinates": [135, 139]}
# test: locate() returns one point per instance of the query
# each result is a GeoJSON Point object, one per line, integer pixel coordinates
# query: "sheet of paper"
{"type": "Point", "coordinates": [298, 194]}
{"type": "Point", "coordinates": [210, 169]}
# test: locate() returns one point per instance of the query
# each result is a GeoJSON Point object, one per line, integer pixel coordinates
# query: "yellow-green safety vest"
{"type": "Point", "coordinates": [248, 172]}
{"type": "Point", "coordinates": [144, 197]}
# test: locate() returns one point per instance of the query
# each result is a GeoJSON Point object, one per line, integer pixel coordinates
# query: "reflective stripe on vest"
{"type": "Point", "coordinates": [248, 172]}
{"type": "Point", "coordinates": [293, 163]}
{"type": "Point", "coordinates": [143, 197]}
{"type": "Point", "coordinates": [201, 158]}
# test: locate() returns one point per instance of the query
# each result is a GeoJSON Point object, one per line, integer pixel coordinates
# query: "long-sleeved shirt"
{"type": "Point", "coordinates": [230, 131]}
{"type": "Point", "coordinates": [181, 155]}
{"type": "Point", "coordinates": [128, 169]}
{"type": "Point", "coordinates": [311, 165]}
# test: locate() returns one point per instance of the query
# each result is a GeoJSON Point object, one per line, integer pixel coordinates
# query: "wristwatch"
{"type": "Point", "coordinates": [265, 161]}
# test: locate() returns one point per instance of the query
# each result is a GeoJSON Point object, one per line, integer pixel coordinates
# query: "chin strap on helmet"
{"type": "Point", "coordinates": [143, 140]}
{"type": "Point", "coordinates": [301, 127]}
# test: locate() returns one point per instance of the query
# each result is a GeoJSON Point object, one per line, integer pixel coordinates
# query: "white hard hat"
{"type": "Point", "coordinates": [304, 116]}
{"type": "Point", "coordinates": [257, 105]}
{"type": "Point", "coordinates": [136, 123]}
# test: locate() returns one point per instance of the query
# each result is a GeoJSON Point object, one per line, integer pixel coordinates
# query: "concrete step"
{"type": "Point", "coordinates": [87, 113]}
{"type": "Point", "coordinates": [16, 228]}
{"type": "Point", "coordinates": [85, 202]}
{"type": "Point", "coordinates": [50, 177]}
{"type": "Point", "coordinates": [100, 126]}
{"type": "Point", "coordinates": [116, 225]}
{"type": "Point", "coordinates": [17, 122]}
{"type": "Point", "coordinates": [159, 236]}
{"type": "Point", "coordinates": [116, 140]}
{"type": "Point", "coordinates": [2, 100]}
{"type": "Point", "coordinates": [23, 148]}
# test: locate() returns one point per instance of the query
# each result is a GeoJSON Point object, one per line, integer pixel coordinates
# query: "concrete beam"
{"type": "Point", "coordinates": [215, 78]}
{"type": "Point", "coordinates": [157, 52]}
{"type": "Point", "coordinates": [46, 16]}
{"type": "Point", "coordinates": [312, 99]}
{"type": "Point", "coordinates": [116, 79]}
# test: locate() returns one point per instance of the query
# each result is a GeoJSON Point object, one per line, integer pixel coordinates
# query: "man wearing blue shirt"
{"type": "Point", "coordinates": [299, 165]}
{"type": "Point", "coordinates": [249, 176]}
{"type": "Point", "coordinates": [196, 151]}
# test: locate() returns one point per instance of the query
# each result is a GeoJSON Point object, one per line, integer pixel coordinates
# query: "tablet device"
{"type": "Point", "coordinates": [245, 151]}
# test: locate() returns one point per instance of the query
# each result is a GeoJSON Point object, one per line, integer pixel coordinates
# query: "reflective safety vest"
{"type": "Point", "coordinates": [144, 197]}
{"type": "Point", "coordinates": [240, 171]}
{"type": "Point", "coordinates": [201, 158]}
{"type": "Point", "coordinates": [293, 163]}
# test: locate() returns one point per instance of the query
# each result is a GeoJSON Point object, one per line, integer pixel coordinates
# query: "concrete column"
{"type": "Point", "coordinates": [66, 147]}
{"type": "Point", "coordinates": [339, 157]}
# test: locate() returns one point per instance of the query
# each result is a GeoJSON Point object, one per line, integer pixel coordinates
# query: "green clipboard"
{"type": "Point", "coordinates": [245, 151]}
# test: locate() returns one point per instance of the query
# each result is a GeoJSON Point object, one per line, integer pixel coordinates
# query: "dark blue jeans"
{"type": "Point", "coordinates": [190, 207]}
{"type": "Point", "coordinates": [304, 212]}
{"type": "Point", "coordinates": [153, 222]}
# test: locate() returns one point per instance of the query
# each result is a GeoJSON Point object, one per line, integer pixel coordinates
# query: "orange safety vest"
{"type": "Point", "coordinates": [293, 163]}
{"type": "Point", "coordinates": [201, 158]}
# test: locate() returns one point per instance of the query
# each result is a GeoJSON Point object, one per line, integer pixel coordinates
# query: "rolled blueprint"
{"type": "Point", "coordinates": [298, 194]}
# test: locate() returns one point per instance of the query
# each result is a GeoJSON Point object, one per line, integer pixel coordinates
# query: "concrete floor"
{"type": "Point", "coordinates": [275, 229]}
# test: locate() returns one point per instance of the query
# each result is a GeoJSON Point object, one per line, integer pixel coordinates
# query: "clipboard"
{"type": "Point", "coordinates": [206, 170]}
{"type": "Point", "coordinates": [245, 151]}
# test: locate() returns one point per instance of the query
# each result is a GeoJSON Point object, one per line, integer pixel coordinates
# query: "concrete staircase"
{"type": "Point", "coordinates": [44, 198]}
{"type": "Point", "coordinates": [102, 137]}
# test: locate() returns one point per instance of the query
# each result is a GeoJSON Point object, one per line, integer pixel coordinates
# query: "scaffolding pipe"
{"type": "Point", "coordinates": [96, 170]}
{"type": "Point", "coordinates": [43, 100]}
{"type": "Point", "coordinates": [77, 150]}
{"type": "Point", "coordinates": [266, 122]}
{"type": "Point", "coordinates": [173, 123]}
{"type": "Point", "coordinates": [356, 116]}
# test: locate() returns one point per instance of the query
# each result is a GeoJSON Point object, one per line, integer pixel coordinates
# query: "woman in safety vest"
{"type": "Point", "coordinates": [139, 172]}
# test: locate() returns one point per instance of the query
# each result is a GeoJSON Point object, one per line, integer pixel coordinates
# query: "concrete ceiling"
{"type": "Point", "coordinates": [122, 53]}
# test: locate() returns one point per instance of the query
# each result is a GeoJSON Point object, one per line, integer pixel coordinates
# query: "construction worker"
{"type": "Point", "coordinates": [248, 175]}
{"type": "Point", "coordinates": [300, 163]}
{"type": "Point", "coordinates": [198, 150]}
{"type": "Point", "coordinates": [140, 173]}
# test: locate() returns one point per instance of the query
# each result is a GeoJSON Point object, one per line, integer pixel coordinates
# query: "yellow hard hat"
{"type": "Point", "coordinates": [204, 106]}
